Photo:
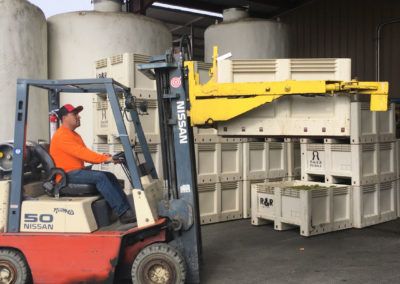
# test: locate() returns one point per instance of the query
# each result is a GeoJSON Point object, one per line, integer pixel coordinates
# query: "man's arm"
{"type": "Point", "coordinates": [80, 151]}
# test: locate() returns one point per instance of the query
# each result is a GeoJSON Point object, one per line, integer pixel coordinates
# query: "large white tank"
{"type": "Point", "coordinates": [23, 54]}
{"type": "Point", "coordinates": [246, 38]}
{"type": "Point", "coordinates": [77, 39]}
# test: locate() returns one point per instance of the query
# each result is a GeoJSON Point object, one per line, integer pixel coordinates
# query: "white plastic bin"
{"type": "Point", "coordinates": [277, 159]}
{"type": "Point", "coordinates": [247, 196]}
{"type": "Point", "coordinates": [231, 160]}
{"type": "Point", "coordinates": [313, 160]}
{"type": "Point", "coordinates": [105, 128]}
{"type": "Point", "coordinates": [398, 157]}
{"type": "Point", "coordinates": [207, 162]}
{"type": "Point", "coordinates": [101, 115]}
{"type": "Point", "coordinates": [221, 201]}
{"type": "Point", "coordinates": [320, 209]}
{"type": "Point", "coordinates": [255, 160]}
{"type": "Point", "coordinates": [101, 148]}
{"type": "Point", "coordinates": [387, 161]}
{"type": "Point", "coordinates": [231, 200]}
{"type": "Point", "coordinates": [358, 162]}
{"type": "Point", "coordinates": [293, 157]}
{"type": "Point", "coordinates": [315, 211]}
{"type": "Point", "coordinates": [262, 203]}
{"type": "Point", "coordinates": [293, 115]}
{"type": "Point", "coordinates": [123, 69]}
{"type": "Point", "coordinates": [284, 69]}
{"type": "Point", "coordinates": [209, 202]}
{"type": "Point", "coordinates": [374, 203]}
{"type": "Point", "coordinates": [387, 124]}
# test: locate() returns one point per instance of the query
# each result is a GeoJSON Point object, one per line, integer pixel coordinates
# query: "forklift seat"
{"type": "Point", "coordinates": [62, 188]}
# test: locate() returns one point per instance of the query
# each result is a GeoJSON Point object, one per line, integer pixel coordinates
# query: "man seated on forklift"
{"type": "Point", "coordinates": [69, 153]}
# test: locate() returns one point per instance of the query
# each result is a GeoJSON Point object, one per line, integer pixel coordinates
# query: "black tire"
{"type": "Point", "coordinates": [13, 267]}
{"type": "Point", "coordinates": [159, 264]}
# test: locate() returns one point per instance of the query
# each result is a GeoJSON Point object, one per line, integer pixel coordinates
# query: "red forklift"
{"type": "Point", "coordinates": [66, 233]}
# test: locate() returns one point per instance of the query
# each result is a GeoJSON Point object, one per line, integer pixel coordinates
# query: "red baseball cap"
{"type": "Point", "coordinates": [66, 109]}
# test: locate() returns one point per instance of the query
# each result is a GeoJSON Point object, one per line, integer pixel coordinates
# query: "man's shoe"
{"type": "Point", "coordinates": [127, 217]}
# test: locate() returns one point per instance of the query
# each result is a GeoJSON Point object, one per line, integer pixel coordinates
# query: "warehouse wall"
{"type": "Point", "coordinates": [347, 28]}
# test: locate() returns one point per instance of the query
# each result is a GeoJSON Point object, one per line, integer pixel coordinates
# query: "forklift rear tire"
{"type": "Point", "coordinates": [159, 263]}
{"type": "Point", "coordinates": [13, 267]}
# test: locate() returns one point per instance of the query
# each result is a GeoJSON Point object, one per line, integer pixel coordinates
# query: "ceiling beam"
{"type": "Point", "coordinates": [187, 24]}
{"type": "Point", "coordinates": [140, 6]}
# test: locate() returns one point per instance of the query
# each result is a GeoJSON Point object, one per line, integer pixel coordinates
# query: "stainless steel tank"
{"type": "Point", "coordinates": [78, 39]}
{"type": "Point", "coordinates": [23, 54]}
{"type": "Point", "coordinates": [246, 38]}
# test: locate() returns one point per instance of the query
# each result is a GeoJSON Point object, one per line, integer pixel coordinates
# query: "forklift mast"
{"type": "Point", "coordinates": [178, 154]}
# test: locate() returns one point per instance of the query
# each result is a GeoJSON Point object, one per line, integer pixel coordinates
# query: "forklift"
{"type": "Point", "coordinates": [67, 233]}
{"type": "Point", "coordinates": [62, 236]}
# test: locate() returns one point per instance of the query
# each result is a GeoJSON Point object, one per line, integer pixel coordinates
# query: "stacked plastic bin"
{"type": "Point", "coordinates": [349, 181]}
{"type": "Point", "coordinates": [267, 159]}
{"type": "Point", "coordinates": [123, 68]}
{"type": "Point", "coordinates": [227, 167]}
{"type": "Point", "coordinates": [219, 166]}
{"type": "Point", "coordinates": [343, 144]}
{"type": "Point", "coordinates": [275, 154]}
{"type": "Point", "coordinates": [367, 160]}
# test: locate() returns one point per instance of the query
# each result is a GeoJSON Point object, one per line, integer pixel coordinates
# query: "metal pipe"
{"type": "Point", "coordinates": [378, 43]}
{"type": "Point", "coordinates": [192, 39]}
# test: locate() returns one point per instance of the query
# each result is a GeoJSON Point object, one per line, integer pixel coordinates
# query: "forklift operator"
{"type": "Point", "coordinates": [69, 153]}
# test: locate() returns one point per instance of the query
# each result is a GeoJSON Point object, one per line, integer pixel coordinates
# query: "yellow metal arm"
{"type": "Point", "coordinates": [222, 101]}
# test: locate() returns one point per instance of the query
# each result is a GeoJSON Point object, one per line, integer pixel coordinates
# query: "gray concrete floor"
{"type": "Point", "coordinates": [237, 252]}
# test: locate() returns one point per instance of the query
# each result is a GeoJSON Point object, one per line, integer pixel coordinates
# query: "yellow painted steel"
{"type": "Point", "coordinates": [222, 101]}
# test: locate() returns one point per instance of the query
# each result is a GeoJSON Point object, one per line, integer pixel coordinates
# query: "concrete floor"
{"type": "Point", "coordinates": [237, 252]}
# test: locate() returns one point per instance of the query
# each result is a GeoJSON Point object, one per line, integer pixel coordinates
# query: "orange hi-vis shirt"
{"type": "Point", "coordinates": [69, 152]}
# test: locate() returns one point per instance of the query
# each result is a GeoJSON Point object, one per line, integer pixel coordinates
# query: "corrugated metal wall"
{"type": "Point", "coordinates": [347, 28]}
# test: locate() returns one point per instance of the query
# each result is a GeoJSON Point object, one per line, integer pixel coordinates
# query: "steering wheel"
{"type": "Point", "coordinates": [120, 157]}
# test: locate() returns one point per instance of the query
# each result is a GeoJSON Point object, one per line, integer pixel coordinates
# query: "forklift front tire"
{"type": "Point", "coordinates": [13, 267]}
{"type": "Point", "coordinates": [159, 263]}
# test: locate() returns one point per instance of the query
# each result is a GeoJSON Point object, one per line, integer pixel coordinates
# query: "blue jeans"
{"type": "Point", "coordinates": [106, 183]}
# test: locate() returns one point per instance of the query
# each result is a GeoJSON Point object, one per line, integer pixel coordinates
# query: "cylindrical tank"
{"type": "Point", "coordinates": [78, 39]}
{"type": "Point", "coordinates": [23, 54]}
{"type": "Point", "coordinates": [246, 38]}
{"type": "Point", "coordinates": [107, 5]}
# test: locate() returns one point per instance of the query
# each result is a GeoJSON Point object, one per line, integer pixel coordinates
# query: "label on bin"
{"type": "Point", "coordinates": [315, 162]}
{"type": "Point", "coordinates": [267, 202]}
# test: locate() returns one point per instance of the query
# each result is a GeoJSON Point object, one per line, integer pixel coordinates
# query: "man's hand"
{"type": "Point", "coordinates": [111, 160]}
